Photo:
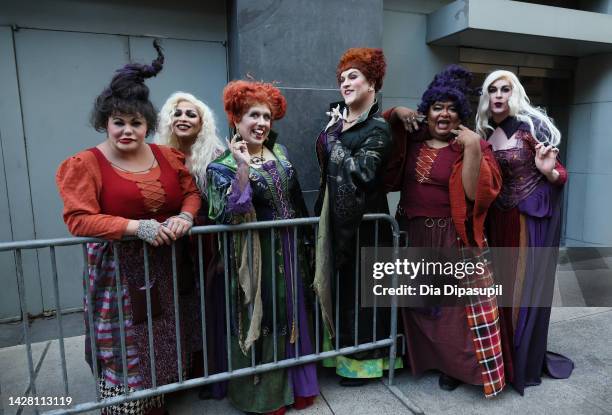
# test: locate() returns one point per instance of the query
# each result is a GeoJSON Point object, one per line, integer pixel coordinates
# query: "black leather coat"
{"type": "Point", "coordinates": [352, 165]}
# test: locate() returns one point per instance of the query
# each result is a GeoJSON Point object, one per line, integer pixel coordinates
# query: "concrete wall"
{"type": "Point", "coordinates": [187, 19]}
{"type": "Point", "coordinates": [411, 63]}
{"type": "Point", "coordinates": [55, 57]}
{"type": "Point", "coordinates": [590, 148]}
{"type": "Point", "coordinates": [589, 154]}
{"type": "Point", "coordinates": [598, 6]}
{"type": "Point", "coordinates": [298, 44]}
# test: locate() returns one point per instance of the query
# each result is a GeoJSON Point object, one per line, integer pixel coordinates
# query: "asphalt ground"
{"type": "Point", "coordinates": [581, 333]}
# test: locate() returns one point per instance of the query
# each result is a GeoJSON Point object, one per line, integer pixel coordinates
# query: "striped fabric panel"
{"type": "Point", "coordinates": [483, 320]}
{"type": "Point", "coordinates": [101, 269]}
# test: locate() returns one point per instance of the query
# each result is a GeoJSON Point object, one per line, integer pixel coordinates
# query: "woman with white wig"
{"type": "Point", "coordinates": [188, 124]}
{"type": "Point", "coordinates": [526, 216]}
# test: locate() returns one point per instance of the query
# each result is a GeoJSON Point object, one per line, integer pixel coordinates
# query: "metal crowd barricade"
{"type": "Point", "coordinates": [207, 378]}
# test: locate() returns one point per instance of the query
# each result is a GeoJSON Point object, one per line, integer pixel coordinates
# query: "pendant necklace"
{"type": "Point", "coordinates": [258, 160]}
{"type": "Point", "coordinates": [132, 171]}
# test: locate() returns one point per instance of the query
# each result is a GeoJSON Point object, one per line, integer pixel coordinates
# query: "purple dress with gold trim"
{"type": "Point", "coordinates": [272, 193]}
{"type": "Point", "coordinates": [527, 216]}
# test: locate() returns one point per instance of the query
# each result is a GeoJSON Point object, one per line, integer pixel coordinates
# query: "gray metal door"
{"type": "Point", "coordinates": [190, 66]}
{"type": "Point", "coordinates": [60, 74]}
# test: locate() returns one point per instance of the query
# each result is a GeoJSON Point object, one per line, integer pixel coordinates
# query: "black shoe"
{"type": "Point", "coordinates": [448, 383]}
{"type": "Point", "coordinates": [353, 382]}
{"type": "Point", "coordinates": [205, 393]}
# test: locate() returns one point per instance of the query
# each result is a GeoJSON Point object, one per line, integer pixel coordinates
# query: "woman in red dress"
{"type": "Point", "coordinates": [448, 178]}
{"type": "Point", "coordinates": [126, 187]}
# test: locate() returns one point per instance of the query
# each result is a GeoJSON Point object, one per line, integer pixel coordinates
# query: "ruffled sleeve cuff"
{"type": "Point", "coordinates": [239, 202]}
{"type": "Point", "coordinates": [562, 174]}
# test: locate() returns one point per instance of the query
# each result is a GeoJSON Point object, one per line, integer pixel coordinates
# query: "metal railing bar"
{"type": "Point", "coordinates": [274, 332]}
{"type": "Point", "coordinates": [208, 229]}
{"type": "Point", "coordinates": [177, 319]}
{"type": "Point", "coordinates": [25, 320]}
{"type": "Point", "coordinates": [145, 253]}
{"type": "Point", "coordinates": [337, 310]}
{"type": "Point", "coordinates": [119, 289]}
{"type": "Point", "coordinates": [202, 304]}
{"type": "Point", "coordinates": [218, 377]}
{"type": "Point", "coordinates": [294, 293]}
{"type": "Point", "coordinates": [60, 327]}
{"type": "Point", "coordinates": [356, 315]}
{"type": "Point", "coordinates": [252, 285]}
{"type": "Point", "coordinates": [317, 323]}
{"type": "Point", "coordinates": [393, 334]}
{"type": "Point", "coordinates": [227, 303]}
{"type": "Point", "coordinates": [375, 308]}
{"type": "Point", "coordinates": [92, 332]}
{"type": "Point", "coordinates": [255, 368]}
{"type": "Point", "coordinates": [41, 359]}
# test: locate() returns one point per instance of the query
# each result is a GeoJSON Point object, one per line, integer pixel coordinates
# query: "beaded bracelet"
{"type": "Point", "coordinates": [147, 230]}
{"type": "Point", "coordinates": [186, 216]}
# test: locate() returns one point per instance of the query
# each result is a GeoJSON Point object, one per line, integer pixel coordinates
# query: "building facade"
{"type": "Point", "coordinates": [57, 55]}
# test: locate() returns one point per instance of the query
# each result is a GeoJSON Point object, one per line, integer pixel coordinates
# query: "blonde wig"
{"type": "Point", "coordinates": [541, 126]}
{"type": "Point", "coordinates": [207, 146]}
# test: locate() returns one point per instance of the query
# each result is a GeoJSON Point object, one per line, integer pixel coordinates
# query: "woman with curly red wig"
{"type": "Point", "coordinates": [352, 151]}
{"type": "Point", "coordinates": [254, 180]}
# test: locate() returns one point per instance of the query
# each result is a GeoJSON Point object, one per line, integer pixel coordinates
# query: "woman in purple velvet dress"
{"type": "Point", "coordinates": [255, 181]}
{"type": "Point", "coordinates": [527, 217]}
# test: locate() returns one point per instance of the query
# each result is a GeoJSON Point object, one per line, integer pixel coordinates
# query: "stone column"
{"type": "Point", "coordinates": [298, 45]}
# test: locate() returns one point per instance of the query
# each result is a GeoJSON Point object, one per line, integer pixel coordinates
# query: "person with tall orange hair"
{"type": "Point", "coordinates": [255, 181]}
{"type": "Point", "coordinates": [352, 151]}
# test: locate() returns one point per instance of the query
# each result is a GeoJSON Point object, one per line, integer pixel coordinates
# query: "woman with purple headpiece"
{"type": "Point", "coordinates": [126, 187]}
{"type": "Point", "coordinates": [448, 177]}
{"type": "Point", "coordinates": [527, 217]}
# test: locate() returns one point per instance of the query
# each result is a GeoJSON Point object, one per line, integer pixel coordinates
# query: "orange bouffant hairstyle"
{"type": "Point", "coordinates": [370, 62]}
{"type": "Point", "coordinates": [239, 96]}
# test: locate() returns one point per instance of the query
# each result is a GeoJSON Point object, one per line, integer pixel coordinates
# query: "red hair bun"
{"type": "Point", "coordinates": [370, 62]}
{"type": "Point", "coordinates": [239, 96]}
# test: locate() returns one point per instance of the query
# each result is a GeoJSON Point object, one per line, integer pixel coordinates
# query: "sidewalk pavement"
{"type": "Point", "coordinates": [584, 334]}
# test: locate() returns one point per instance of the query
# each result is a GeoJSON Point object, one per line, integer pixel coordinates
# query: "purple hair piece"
{"type": "Point", "coordinates": [139, 72]}
{"type": "Point", "coordinates": [128, 94]}
{"type": "Point", "coordinates": [452, 84]}
{"type": "Point", "coordinates": [135, 73]}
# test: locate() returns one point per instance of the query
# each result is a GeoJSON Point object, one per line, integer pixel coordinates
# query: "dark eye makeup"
{"type": "Point", "coordinates": [256, 114]}
{"type": "Point", "coordinates": [189, 113]}
{"type": "Point", "coordinates": [504, 88]}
